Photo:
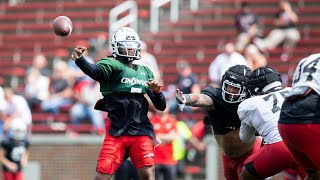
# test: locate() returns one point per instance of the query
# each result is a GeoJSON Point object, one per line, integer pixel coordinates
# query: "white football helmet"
{"type": "Point", "coordinates": [17, 130]}
{"type": "Point", "coordinates": [126, 43]}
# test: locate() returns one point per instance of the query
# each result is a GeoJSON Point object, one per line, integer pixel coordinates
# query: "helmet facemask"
{"type": "Point", "coordinates": [233, 92]}
{"type": "Point", "coordinates": [233, 84]}
{"type": "Point", "coordinates": [129, 49]}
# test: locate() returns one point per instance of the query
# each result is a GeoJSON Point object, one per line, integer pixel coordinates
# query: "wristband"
{"type": "Point", "coordinates": [187, 98]}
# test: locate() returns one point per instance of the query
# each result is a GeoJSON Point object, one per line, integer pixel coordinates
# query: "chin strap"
{"type": "Point", "coordinates": [126, 59]}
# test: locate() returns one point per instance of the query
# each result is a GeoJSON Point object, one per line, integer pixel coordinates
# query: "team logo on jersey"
{"type": "Point", "coordinates": [133, 81]}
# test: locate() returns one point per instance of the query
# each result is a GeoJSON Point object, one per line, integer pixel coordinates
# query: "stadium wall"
{"type": "Point", "coordinates": [59, 157]}
{"type": "Point", "coordinates": [63, 158]}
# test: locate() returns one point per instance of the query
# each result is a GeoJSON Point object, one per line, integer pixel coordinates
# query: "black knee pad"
{"type": "Point", "coordinates": [250, 168]}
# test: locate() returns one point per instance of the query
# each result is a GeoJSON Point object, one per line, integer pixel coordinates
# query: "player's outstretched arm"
{"type": "Point", "coordinates": [194, 99]}
{"type": "Point", "coordinates": [92, 70]}
{"type": "Point", "coordinates": [156, 96]}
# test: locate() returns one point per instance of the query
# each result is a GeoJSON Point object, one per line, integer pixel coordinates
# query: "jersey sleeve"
{"type": "Point", "coordinates": [247, 131]}
{"type": "Point", "coordinates": [92, 70]}
{"type": "Point", "coordinates": [244, 110]}
{"type": "Point", "coordinates": [212, 92]}
{"type": "Point", "coordinates": [216, 95]}
{"type": "Point", "coordinates": [106, 65]}
{"type": "Point", "coordinates": [158, 100]}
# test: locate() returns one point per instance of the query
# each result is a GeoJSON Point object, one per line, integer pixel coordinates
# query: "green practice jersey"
{"type": "Point", "coordinates": [119, 78]}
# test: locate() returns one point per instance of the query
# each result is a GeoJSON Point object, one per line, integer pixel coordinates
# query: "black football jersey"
{"type": "Point", "coordinates": [14, 150]}
{"type": "Point", "coordinates": [224, 117]}
{"type": "Point", "coordinates": [304, 110]}
{"type": "Point", "coordinates": [128, 114]}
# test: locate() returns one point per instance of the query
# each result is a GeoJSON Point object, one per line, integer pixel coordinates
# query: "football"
{"type": "Point", "coordinates": [62, 26]}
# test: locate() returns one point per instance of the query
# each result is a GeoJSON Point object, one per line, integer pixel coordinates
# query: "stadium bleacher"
{"type": "Point", "coordinates": [26, 28]}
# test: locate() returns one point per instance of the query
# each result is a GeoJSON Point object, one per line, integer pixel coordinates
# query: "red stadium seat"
{"type": "Point", "coordinates": [43, 117]}
{"type": "Point", "coordinates": [26, 28]}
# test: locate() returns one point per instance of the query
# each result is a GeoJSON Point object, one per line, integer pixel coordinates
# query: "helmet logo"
{"type": "Point", "coordinates": [233, 77]}
{"type": "Point", "coordinates": [131, 38]}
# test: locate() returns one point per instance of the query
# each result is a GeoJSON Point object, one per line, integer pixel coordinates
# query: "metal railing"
{"type": "Point", "coordinates": [174, 11]}
{"type": "Point", "coordinates": [212, 156]}
{"type": "Point", "coordinates": [131, 19]}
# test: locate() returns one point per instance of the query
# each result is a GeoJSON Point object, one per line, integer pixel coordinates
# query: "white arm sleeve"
{"type": "Point", "coordinates": [247, 133]}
